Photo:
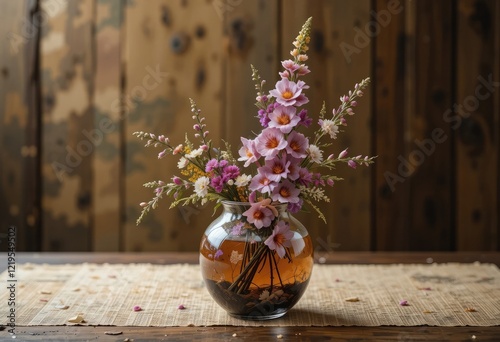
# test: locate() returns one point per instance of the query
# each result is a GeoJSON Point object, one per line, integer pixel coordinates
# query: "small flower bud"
{"type": "Point", "coordinates": [161, 183]}
{"type": "Point", "coordinates": [352, 164]}
{"type": "Point", "coordinates": [284, 74]}
{"type": "Point", "coordinates": [330, 157]}
{"type": "Point", "coordinates": [205, 134]}
{"type": "Point", "coordinates": [177, 180]}
{"type": "Point", "coordinates": [152, 136]}
{"type": "Point", "coordinates": [177, 149]}
{"type": "Point", "coordinates": [196, 127]}
{"type": "Point", "coordinates": [196, 135]}
{"type": "Point", "coordinates": [354, 103]}
{"type": "Point", "coordinates": [343, 154]}
{"type": "Point", "coordinates": [143, 204]}
{"type": "Point", "coordinates": [302, 58]}
{"type": "Point", "coordinates": [162, 154]}
{"type": "Point", "coordinates": [343, 121]}
{"type": "Point", "coordinates": [161, 138]}
{"type": "Point", "coordinates": [359, 93]}
{"type": "Point", "coordinates": [330, 182]}
{"type": "Point", "coordinates": [204, 147]}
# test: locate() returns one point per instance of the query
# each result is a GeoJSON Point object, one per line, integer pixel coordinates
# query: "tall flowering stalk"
{"type": "Point", "coordinates": [279, 165]}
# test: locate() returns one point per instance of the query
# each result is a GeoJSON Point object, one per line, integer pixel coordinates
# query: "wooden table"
{"type": "Point", "coordinates": [222, 333]}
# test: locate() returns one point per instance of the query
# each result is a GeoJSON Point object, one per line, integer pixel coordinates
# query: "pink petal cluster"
{"type": "Point", "coordinates": [261, 214]}
{"type": "Point", "coordinates": [280, 238]}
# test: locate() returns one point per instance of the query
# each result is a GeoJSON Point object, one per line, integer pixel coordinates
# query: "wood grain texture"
{"type": "Point", "coordinates": [189, 62]}
{"type": "Point", "coordinates": [336, 64]}
{"type": "Point", "coordinates": [250, 37]}
{"type": "Point", "coordinates": [430, 137]}
{"type": "Point", "coordinates": [108, 126]}
{"type": "Point", "coordinates": [67, 81]}
{"type": "Point", "coordinates": [19, 181]}
{"type": "Point", "coordinates": [392, 189]}
{"type": "Point", "coordinates": [475, 118]}
{"type": "Point", "coordinates": [79, 333]}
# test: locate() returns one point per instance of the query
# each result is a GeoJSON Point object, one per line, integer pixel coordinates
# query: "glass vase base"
{"type": "Point", "coordinates": [258, 317]}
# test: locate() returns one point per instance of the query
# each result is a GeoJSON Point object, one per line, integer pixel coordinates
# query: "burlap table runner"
{"type": "Point", "coordinates": [437, 295]}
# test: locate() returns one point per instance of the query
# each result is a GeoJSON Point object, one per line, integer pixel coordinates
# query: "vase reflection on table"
{"type": "Point", "coordinates": [253, 273]}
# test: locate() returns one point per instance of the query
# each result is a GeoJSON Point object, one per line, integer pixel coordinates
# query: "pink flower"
{"type": "Point", "coordinates": [275, 169]}
{"type": "Point", "coordinates": [304, 119]}
{"type": "Point", "coordinates": [280, 238]}
{"type": "Point", "coordinates": [284, 118]}
{"type": "Point", "coordinates": [352, 164]}
{"type": "Point", "coordinates": [305, 177]}
{"type": "Point", "coordinates": [261, 183]}
{"type": "Point", "coordinates": [297, 145]}
{"type": "Point", "coordinates": [293, 168]}
{"type": "Point", "coordinates": [217, 183]}
{"type": "Point", "coordinates": [303, 70]}
{"type": "Point", "coordinates": [270, 142]}
{"type": "Point", "coordinates": [247, 152]}
{"type": "Point", "coordinates": [290, 65]}
{"type": "Point", "coordinates": [230, 172]}
{"type": "Point", "coordinates": [211, 164]}
{"type": "Point", "coordinates": [294, 208]}
{"type": "Point", "coordinates": [259, 215]}
{"type": "Point", "coordinates": [286, 192]}
{"type": "Point", "coordinates": [286, 92]}
{"type": "Point", "coordinates": [177, 180]}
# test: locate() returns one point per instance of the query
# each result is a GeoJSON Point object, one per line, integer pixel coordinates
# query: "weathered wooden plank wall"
{"type": "Point", "coordinates": [78, 77]}
{"type": "Point", "coordinates": [19, 123]}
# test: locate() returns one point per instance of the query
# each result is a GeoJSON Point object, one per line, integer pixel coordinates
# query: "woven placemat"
{"type": "Point", "coordinates": [437, 295]}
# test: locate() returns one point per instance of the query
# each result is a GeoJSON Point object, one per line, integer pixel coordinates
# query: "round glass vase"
{"type": "Point", "coordinates": [248, 277]}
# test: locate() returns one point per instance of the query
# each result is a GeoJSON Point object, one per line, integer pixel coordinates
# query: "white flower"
{"type": "Point", "coordinates": [235, 257]}
{"type": "Point", "coordinates": [315, 153]}
{"type": "Point", "coordinates": [242, 180]}
{"type": "Point", "coordinates": [201, 186]}
{"type": "Point", "coordinates": [194, 154]}
{"type": "Point", "coordinates": [330, 128]}
{"type": "Point", "coordinates": [183, 162]}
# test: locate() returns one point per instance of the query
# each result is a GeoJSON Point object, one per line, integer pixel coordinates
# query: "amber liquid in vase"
{"type": "Point", "coordinates": [260, 300]}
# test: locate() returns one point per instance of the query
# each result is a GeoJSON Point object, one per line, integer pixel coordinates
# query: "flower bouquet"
{"type": "Point", "coordinates": [256, 258]}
